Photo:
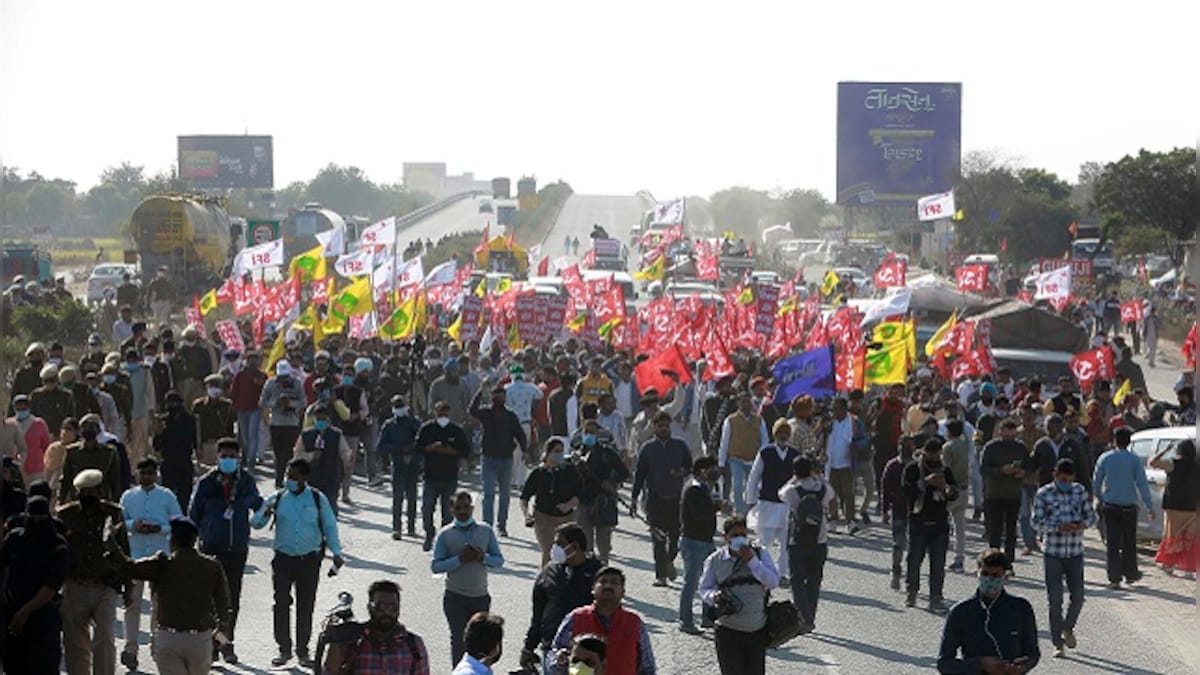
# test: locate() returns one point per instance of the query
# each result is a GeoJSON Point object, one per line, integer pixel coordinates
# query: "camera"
{"type": "Point", "coordinates": [726, 604]}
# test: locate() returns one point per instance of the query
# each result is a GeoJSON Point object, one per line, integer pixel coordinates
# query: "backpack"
{"type": "Point", "coordinates": [316, 495]}
{"type": "Point", "coordinates": [807, 516]}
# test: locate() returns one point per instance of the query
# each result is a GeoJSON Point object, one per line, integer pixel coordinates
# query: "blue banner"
{"type": "Point", "coordinates": [897, 141]}
{"type": "Point", "coordinates": [810, 372]}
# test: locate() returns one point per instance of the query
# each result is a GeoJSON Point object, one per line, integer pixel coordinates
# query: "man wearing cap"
{"type": "Point", "coordinates": [175, 443]}
{"type": "Point", "coordinates": [89, 603]}
{"type": "Point", "coordinates": [85, 400]}
{"type": "Point", "coordinates": [193, 599]}
{"type": "Point", "coordinates": [283, 400]}
{"type": "Point", "coordinates": [141, 385]}
{"type": "Point", "coordinates": [214, 418]}
{"type": "Point", "coordinates": [50, 402]}
{"type": "Point", "coordinates": [95, 357]}
{"type": "Point", "coordinates": [109, 413]}
{"type": "Point", "coordinates": [642, 428]}
{"type": "Point", "coordinates": [147, 509]}
{"type": "Point", "coordinates": [35, 559]}
{"type": "Point", "coordinates": [161, 294]}
{"type": "Point", "coordinates": [324, 445]}
{"type": "Point", "coordinates": [200, 360]}
{"type": "Point", "coordinates": [29, 376]}
{"type": "Point", "coordinates": [90, 453]}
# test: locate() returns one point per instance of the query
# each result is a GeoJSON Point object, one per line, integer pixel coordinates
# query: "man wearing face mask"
{"type": "Point", "coordinates": [602, 471]}
{"type": "Point", "coordinates": [109, 414]}
{"type": "Point", "coordinates": [463, 551]}
{"type": "Point", "coordinates": [383, 640]}
{"type": "Point", "coordinates": [555, 490]}
{"type": "Point", "coordinates": [663, 463]}
{"type": "Point", "coordinates": [89, 453]}
{"type": "Point", "coordinates": [588, 653]}
{"type": "Point", "coordinates": [1062, 511]}
{"type": "Point", "coordinates": [175, 443]}
{"type": "Point", "coordinates": [50, 402]}
{"type": "Point", "coordinates": [325, 447]}
{"type": "Point", "coordinates": [397, 440]}
{"type": "Point", "coordinates": [89, 604]}
{"type": "Point", "coordinates": [33, 438]}
{"type": "Point", "coordinates": [144, 403]}
{"type": "Point", "coordinates": [304, 525]}
{"type": "Point", "coordinates": [699, 506]}
{"type": "Point", "coordinates": [562, 586]}
{"type": "Point", "coordinates": [214, 418]}
{"type": "Point", "coordinates": [772, 468]}
{"type": "Point", "coordinates": [148, 509]}
{"type": "Point", "coordinates": [991, 632]}
{"type": "Point", "coordinates": [443, 446]}
{"type": "Point", "coordinates": [929, 489]}
{"type": "Point", "coordinates": [36, 560]}
{"type": "Point", "coordinates": [283, 400]}
{"type": "Point", "coordinates": [353, 396]}
{"type": "Point", "coordinates": [502, 433]}
{"type": "Point", "coordinates": [224, 500]}
{"type": "Point", "coordinates": [29, 376]}
{"type": "Point", "coordinates": [736, 582]}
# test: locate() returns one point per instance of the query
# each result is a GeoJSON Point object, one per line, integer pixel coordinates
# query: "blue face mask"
{"type": "Point", "coordinates": [110, 379]}
{"type": "Point", "coordinates": [739, 543]}
{"type": "Point", "coordinates": [22, 415]}
{"type": "Point", "coordinates": [589, 439]}
{"type": "Point", "coordinates": [227, 464]}
{"type": "Point", "coordinates": [464, 523]}
{"type": "Point", "coordinates": [292, 485]}
{"type": "Point", "coordinates": [990, 587]}
{"type": "Point", "coordinates": [347, 380]}
{"type": "Point", "coordinates": [321, 425]}
{"type": "Point", "coordinates": [131, 366]}
{"type": "Point", "coordinates": [1064, 486]}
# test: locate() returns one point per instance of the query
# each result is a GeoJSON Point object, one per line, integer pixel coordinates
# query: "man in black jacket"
{"type": "Point", "coordinates": [698, 517]}
{"type": "Point", "coordinates": [663, 462]}
{"type": "Point", "coordinates": [995, 632]}
{"type": "Point", "coordinates": [502, 433]}
{"type": "Point", "coordinates": [929, 486]}
{"type": "Point", "coordinates": [176, 444]}
{"type": "Point", "coordinates": [601, 470]}
{"type": "Point", "coordinates": [397, 440]}
{"type": "Point", "coordinates": [444, 445]}
{"type": "Point", "coordinates": [565, 584]}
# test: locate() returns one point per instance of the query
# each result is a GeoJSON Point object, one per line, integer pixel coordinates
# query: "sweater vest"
{"type": "Point", "coordinates": [745, 436]}
{"type": "Point", "coordinates": [622, 635]}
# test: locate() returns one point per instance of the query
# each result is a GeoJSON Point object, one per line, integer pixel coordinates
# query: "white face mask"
{"type": "Point", "coordinates": [214, 392]}
{"type": "Point", "coordinates": [558, 554]}
{"type": "Point", "coordinates": [443, 421]}
{"type": "Point", "coordinates": [400, 412]}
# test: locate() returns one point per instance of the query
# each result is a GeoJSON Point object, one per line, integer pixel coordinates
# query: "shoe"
{"type": "Point", "coordinates": [1114, 585]}
{"type": "Point", "coordinates": [690, 629]}
{"type": "Point", "coordinates": [129, 660]}
{"type": "Point", "coordinates": [674, 573]}
{"type": "Point", "coordinates": [228, 654]}
{"type": "Point", "coordinates": [895, 582]}
{"type": "Point", "coordinates": [784, 582]}
{"type": "Point", "coordinates": [865, 518]}
{"type": "Point", "coordinates": [937, 605]}
{"type": "Point", "coordinates": [1068, 637]}
{"type": "Point", "coordinates": [1027, 551]}
{"type": "Point", "coordinates": [347, 501]}
{"type": "Point", "coordinates": [854, 528]}
{"type": "Point", "coordinates": [1168, 570]}
{"type": "Point", "coordinates": [397, 536]}
{"type": "Point", "coordinates": [976, 515]}
{"type": "Point", "coordinates": [304, 659]}
{"type": "Point", "coordinates": [707, 623]}
{"type": "Point", "coordinates": [911, 600]}
{"type": "Point", "coordinates": [1060, 652]}
{"type": "Point", "coordinates": [659, 583]}
{"type": "Point", "coordinates": [281, 660]}
{"type": "Point", "coordinates": [833, 529]}
{"type": "Point", "coordinates": [375, 483]}
{"type": "Point", "coordinates": [504, 532]}
{"type": "Point", "coordinates": [428, 545]}
{"type": "Point", "coordinates": [1134, 579]}
{"type": "Point", "coordinates": [956, 566]}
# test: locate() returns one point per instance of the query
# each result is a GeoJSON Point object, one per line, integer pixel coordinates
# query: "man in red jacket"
{"type": "Point", "coordinates": [629, 651]}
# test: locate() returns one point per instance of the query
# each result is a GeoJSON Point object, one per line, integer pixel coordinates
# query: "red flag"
{"type": "Point", "coordinates": [509, 242]}
{"type": "Point", "coordinates": [589, 259]}
{"type": "Point", "coordinates": [1132, 311]}
{"type": "Point", "coordinates": [483, 242]}
{"type": "Point", "coordinates": [1092, 365]}
{"type": "Point", "coordinates": [1189, 348]}
{"type": "Point", "coordinates": [227, 291]}
{"type": "Point", "coordinates": [972, 277]}
{"type": "Point", "coordinates": [719, 363]}
{"type": "Point", "coordinates": [891, 273]}
{"type": "Point", "coordinates": [650, 372]}
{"type": "Point", "coordinates": [1004, 245]}
{"type": "Point", "coordinates": [707, 263]}
{"type": "Point", "coordinates": [544, 267]}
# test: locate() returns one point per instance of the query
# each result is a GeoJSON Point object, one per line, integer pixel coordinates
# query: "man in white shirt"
{"type": "Point", "coordinates": [122, 328]}
{"type": "Point", "coordinates": [610, 418]}
{"type": "Point", "coordinates": [839, 434]}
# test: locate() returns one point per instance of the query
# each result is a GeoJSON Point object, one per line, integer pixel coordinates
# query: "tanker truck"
{"type": "Point", "coordinates": [191, 235]}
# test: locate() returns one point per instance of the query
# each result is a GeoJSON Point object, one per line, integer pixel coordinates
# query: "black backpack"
{"type": "Point", "coordinates": [807, 516]}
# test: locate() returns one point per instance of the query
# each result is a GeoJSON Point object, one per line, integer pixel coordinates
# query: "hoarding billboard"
{"type": "Point", "coordinates": [897, 141]}
{"type": "Point", "coordinates": [226, 161]}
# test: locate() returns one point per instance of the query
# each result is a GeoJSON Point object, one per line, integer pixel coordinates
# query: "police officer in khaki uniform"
{"type": "Point", "coordinates": [50, 402]}
{"type": "Point", "coordinates": [214, 418]}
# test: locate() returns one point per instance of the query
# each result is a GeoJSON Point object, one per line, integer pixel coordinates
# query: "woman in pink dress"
{"type": "Point", "coordinates": [1179, 548]}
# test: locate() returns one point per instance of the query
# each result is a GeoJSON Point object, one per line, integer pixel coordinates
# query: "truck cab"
{"type": "Point", "coordinates": [24, 259]}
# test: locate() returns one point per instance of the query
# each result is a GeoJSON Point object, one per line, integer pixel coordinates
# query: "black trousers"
{"type": "Point", "coordinates": [181, 481]}
{"type": "Point", "coordinates": [302, 572]}
{"type": "Point", "coordinates": [283, 439]}
{"type": "Point", "coordinates": [406, 470]}
{"type": "Point", "coordinates": [37, 650]}
{"type": "Point", "coordinates": [1000, 521]}
{"type": "Point", "coordinates": [234, 564]}
{"type": "Point", "coordinates": [663, 516]}
{"type": "Point", "coordinates": [806, 565]}
{"type": "Point", "coordinates": [458, 610]}
{"type": "Point", "coordinates": [1120, 532]}
{"type": "Point", "coordinates": [741, 653]}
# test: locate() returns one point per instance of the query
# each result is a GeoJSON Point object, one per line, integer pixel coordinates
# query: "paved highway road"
{"type": "Point", "coordinates": [461, 216]}
{"type": "Point", "coordinates": [616, 214]}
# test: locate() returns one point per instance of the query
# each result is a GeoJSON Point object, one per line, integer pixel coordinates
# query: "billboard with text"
{"type": "Point", "coordinates": [226, 161]}
{"type": "Point", "coordinates": [897, 141]}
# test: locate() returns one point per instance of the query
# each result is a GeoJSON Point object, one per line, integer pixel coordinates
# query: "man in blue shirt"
{"type": "Point", "coordinates": [463, 551]}
{"type": "Point", "coordinates": [304, 526]}
{"type": "Point", "coordinates": [1119, 480]}
{"type": "Point", "coordinates": [147, 510]}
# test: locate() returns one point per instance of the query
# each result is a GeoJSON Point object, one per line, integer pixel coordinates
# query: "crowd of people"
{"type": "Point", "coordinates": [141, 459]}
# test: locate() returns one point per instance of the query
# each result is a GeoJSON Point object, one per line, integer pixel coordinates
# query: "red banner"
{"type": "Point", "coordinates": [1132, 311]}
{"type": "Point", "coordinates": [1092, 365]}
{"type": "Point", "coordinates": [972, 278]}
{"type": "Point", "coordinates": [891, 273]}
{"type": "Point", "coordinates": [230, 336]}
{"type": "Point", "coordinates": [471, 311]}
{"type": "Point", "coordinates": [707, 263]}
{"type": "Point", "coordinates": [766, 307]}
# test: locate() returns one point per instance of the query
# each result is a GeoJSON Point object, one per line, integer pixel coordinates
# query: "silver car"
{"type": "Point", "coordinates": [1146, 445]}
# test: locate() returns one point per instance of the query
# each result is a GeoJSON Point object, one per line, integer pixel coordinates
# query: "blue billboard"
{"type": "Point", "coordinates": [897, 141]}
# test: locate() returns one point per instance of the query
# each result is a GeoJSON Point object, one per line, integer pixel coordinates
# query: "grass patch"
{"type": "Point", "coordinates": [461, 244]}
{"type": "Point", "coordinates": [76, 251]}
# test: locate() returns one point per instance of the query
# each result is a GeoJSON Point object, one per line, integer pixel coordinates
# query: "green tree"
{"type": "Point", "coordinates": [345, 190]}
{"type": "Point", "coordinates": [739, 209]}
{"type": "Point", "coordinates": [1151, 190]}
{"type": "Point", "coordinates": [49, 204]}
{"type": "Point", "coordinates": [804, 209]}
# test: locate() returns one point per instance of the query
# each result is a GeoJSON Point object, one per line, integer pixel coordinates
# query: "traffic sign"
{"type": "Point", "coordinates": [261, 231]}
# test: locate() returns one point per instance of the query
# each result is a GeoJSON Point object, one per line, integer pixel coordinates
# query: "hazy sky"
{"type": "Point", "coordinates": [614, 97]}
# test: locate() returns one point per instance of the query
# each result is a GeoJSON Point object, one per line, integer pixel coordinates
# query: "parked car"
{"type": "Point", "coordinates": [485, 206]}
{"type": "Point", "coordinates": [105, 276]}
{"type": "Point", "coordinates": [1146, 444]}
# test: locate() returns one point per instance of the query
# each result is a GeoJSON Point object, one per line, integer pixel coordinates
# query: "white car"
{"type": "Point", "coordinates": [1146, 445]}
{"type": "Point", "coordinates": [105, 276]}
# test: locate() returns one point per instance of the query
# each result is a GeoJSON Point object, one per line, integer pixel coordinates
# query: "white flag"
{"type": "Point", "coordinates": [334, 241]}
{"type": "Point", "coordinates": [409, 273]}
{"type": "Point", "coordinates": [668, 213]}
{"type": "Point", "coordinates": [258, 257]}
{"type": "Point", "coordinates": [382, 278]}
{"type": "Point", "coordinates": [356, 264]}
{"type": "Point", "coordinates": [382, 233]}
{"type": "Point", "coordinates": [1054, 284]}
{"type": "Point", "coordinates": [895, 302]}
{"type": "Point", "coordinates": [444, 273]}
{"type": "Point", "coordinates": [936, 207]}
{"type": "Point", "coordinates": [534, 252]}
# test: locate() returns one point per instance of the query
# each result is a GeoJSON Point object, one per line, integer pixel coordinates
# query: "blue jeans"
{"type": "Point", "coordinates": [248, 426]}
{"type": "Point", "coordinates": [739, 472]}
{"type": "Point", "coordinates": [1056, 569]}
{"type": "Point", "coordinates": [694, 552]}
{"type": "Point", "coordinates": [1028, 534]}
{"type": "Point", "coordinates": [496, 472]}
{"type": "Point", "coordinates": [806, 565]}
{"type": "Point", "coordinates": [930, 539]}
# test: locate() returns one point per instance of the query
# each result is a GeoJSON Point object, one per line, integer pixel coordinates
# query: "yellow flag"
{"type": "Point", "coordinates": [910, 338]}
{"type": "Point", "coordinates": [746, 297]}
{"type": "Point", "coordinates": [208, 302]}
{"type": "Point", "coordinates": [503, 286]}
{"type": "Point", "coordinates": [789, 305]}
{"type": "Point", "coordinates": [481, 289]}
{"type": "Point", "coordinates": [958, 215]}
{"type": "Point", "coordinates": [277, 350]}
{"type": "Point", "coordinates": [514, 338]}
{"type": "Point", "coordinates": [829, 282]}
{"type": "Point", "coordinates": [310, 264]}
{"type": "Point", "coordinates": [354, 300]}
{"type": "Point", "coordinates": [655, 272]}
{"type": "Point", "coordinates": [455, 329]}
{"type": "Point", "coordinates": [888, 333]}
{"type": "Point", "coordinates": [577, 323]}
{"type": "Point", "coordinates": [606, 329]}
{"type": "Point", "coordinates": [1122, 391]}
{"type": "Point", "coordinates": [888, 365]}
{"type": "Point", "coordinates": [936, 339]}
{"type": "Point", "coordinates": [403, 321]}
